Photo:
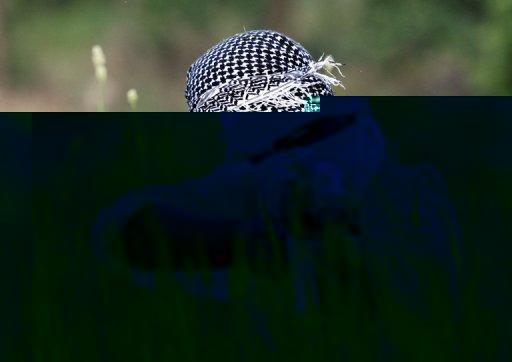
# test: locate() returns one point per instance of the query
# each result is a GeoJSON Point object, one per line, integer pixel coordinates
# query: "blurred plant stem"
{"type": "Point", "coordinates": [100, 68]}
{"type": "Point", "coordinates": [101, 100]}
{"type": "Point", "coordinates": [495, 73]}
{"type": "Point", "coordinates": [132, 98]}
{"type": "Point", "coordinates": [3, 43]}
{"type": "Point", "coordinates": [501, 11]}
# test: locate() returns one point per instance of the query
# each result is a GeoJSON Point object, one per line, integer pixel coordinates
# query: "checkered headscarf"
{"type": "Point", "coordinates": [259, 70]}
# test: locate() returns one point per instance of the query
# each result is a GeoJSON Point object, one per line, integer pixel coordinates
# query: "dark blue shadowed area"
{"type": "Point", "coordinates": [398, 215]}
{"type": "Point", "coordinates": [374, 229]}
{"type": "Point", "coordinates": [16, 216]}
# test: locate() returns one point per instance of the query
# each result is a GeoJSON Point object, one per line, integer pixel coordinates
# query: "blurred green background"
{"type": "Point", "coordinates": [390, 47]}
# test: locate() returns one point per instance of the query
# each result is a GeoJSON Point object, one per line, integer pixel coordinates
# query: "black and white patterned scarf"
{"type": "Point", "coordinates": [258, 70]}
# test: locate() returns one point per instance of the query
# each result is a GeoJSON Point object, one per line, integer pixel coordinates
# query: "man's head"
{"type": "Point", "coordinates": [259, 70]}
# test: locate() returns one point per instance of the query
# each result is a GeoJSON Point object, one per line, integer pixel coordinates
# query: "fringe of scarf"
{"type": "Point", "coordinates": [276, 90]}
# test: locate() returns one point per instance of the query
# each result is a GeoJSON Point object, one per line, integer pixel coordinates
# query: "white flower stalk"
{"type": "Point", "coordinates": [98, 57]}
{"type": "Point", "coordinates": [132, 98]}
{"type": "Point", "coordinates": [100, 70]}
{"type": "Point", "coordinates": [101, 74]}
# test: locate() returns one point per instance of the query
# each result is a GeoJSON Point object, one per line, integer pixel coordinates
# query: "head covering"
{"type": "Point", "coordinates": [258, 70]}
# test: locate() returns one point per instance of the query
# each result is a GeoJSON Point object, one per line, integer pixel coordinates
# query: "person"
{"type": "Point", "coordinates": [284, 181]}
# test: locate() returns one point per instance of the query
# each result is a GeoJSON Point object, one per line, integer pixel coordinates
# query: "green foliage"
{"type": "Point", "coordinates": [390, 47]}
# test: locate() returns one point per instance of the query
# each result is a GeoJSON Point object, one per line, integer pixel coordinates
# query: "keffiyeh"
{"type": "Point", "coordinates": [259, 70]}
